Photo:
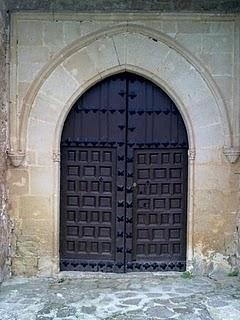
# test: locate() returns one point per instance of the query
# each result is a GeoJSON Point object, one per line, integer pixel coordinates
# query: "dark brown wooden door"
{"type": "Point", "coordinates": [123, 180]}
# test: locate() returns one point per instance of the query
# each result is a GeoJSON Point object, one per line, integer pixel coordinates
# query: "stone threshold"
{"type": "Point", "coordinates": [109, 275]}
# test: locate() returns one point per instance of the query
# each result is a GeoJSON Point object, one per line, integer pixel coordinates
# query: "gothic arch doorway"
{"type": "Point", "coordinates": [123, 180]}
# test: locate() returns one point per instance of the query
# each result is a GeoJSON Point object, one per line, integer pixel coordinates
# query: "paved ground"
{"type": "Point", "coordinates": [125, 297]}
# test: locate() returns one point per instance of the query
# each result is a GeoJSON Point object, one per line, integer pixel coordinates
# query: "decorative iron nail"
{"type": "Point", "coordinates": [129, 189]}
{"type": "Point", "coordinates": [158, 112]}
{"type": "Point", "coordinates": [120, 158]}
{"type": "Point", "coordinates": [120, 173]}
{"type": "Point", "coordinates": [84, 264]}
{"type": "Point", "coordinates": [121, 203]}
{"type": "Point", "coordinates": [120, 219]}
{"type": "Point", "coordinates": [119, 265]}
{"type": "Point", "coordinates": [132, 129]}
{"type": "Point", "coordinates": [109, 265]}
{"type": "Point", "coordinates": [121, 93]}
{"type": "Point", "coordinates": [129, 204]}
{"type": "Point", "coordinates": [140, 112]}
{"type": "Point", "coordinates": [121, 127]}
{"type": "Point", "coordinates": [132, 95]}
{"type": "Point", "coordinates": [129, 174]}
{"type": "Point", "coordinates": [120, 188]}
{"type": "Point", "coordinates": [92, 265]}
{"type": "Point", "coordinates": [129, 251]}
{"type": "Point", "coordinates": [129, 159]}
{"type": "Point", "coordinates": [119, 249]}
{"type": "Point", "coordinates": [129, 220]}
{"type": "Point", "coordinates": [112, 111]}
{"type": "Point", "coordinates": [120, 144]}
{"type": "Point", "coordinates": [166, 112]}
{"type": "Point", "coordinates": [128, 235]}
{"type": "Point", "coordinates": [132, 112]}
{"type": "Point", "coordinates": [163, 265]}
{"type": "Point", "coordinates": [165, 144]}
{"type": "Point", "coordinates": [101, 264]}
{"type": "Point", "coordinates": [74, 264]}
{"type": "Point", "coordinates": [121, 111]}
{"type": "Point", "coordinates": [120, 234]}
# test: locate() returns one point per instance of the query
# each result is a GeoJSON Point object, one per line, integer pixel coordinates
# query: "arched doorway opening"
{"type": "Point", "coordinates": [124, 172]}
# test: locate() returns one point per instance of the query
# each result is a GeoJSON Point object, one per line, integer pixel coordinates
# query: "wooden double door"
{"type": "Point", "coordinates": [123, 180]}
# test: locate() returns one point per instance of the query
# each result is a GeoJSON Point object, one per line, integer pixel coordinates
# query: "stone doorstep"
{"type": "Point", "coordinates": [109, 275]}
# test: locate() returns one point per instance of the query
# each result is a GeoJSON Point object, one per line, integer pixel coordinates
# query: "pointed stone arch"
{"type": "Point", "coordinates": [170, 63]}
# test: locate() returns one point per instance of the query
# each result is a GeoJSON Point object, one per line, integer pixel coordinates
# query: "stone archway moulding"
{"type": "Point", "coordinates": [155, 38]}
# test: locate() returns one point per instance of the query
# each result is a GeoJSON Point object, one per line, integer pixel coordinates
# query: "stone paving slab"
{"type": "Point", "coordinates": [120, 297]}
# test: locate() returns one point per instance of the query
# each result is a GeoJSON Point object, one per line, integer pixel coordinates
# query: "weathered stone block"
{"type": "Point", "coordinates": [60, 85]}
{"type": "Point", "coordinates": [39, 139]}
{"type": "Point", "coordinates": [27, 72]}
{"type": "Point", "coordinates": [18, 179]}
{"type": "Point", "coordinates": [216, 43]}
{"type": "Point", "coordinates": [30, 33]}
{"type": "Point", "coordinates": [80, 66]}
{"type": "Point", "coordinates": [34, 207]}
{"type": "Point", "coordinates": [189, 26]}
{"type": "Point", "coordinates": [40, 183]}
{"type": "Point", "coordinates": [71, 31]}
{"type": "Point", "coordinates": [53, 33]}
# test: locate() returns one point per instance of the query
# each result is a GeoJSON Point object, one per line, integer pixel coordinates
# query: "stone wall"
{"type": "Point", "coordinates": [4, 220]}
{"type": "Point", "coordinates": [127, 5]}
{"type": "Point", "coordinates": [55, 58]}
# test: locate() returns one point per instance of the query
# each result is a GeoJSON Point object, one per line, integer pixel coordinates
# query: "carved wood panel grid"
{"type": "Point", "coordinates": [89, 201]}
{"type": "Point", "coordinates": [159, 206]}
